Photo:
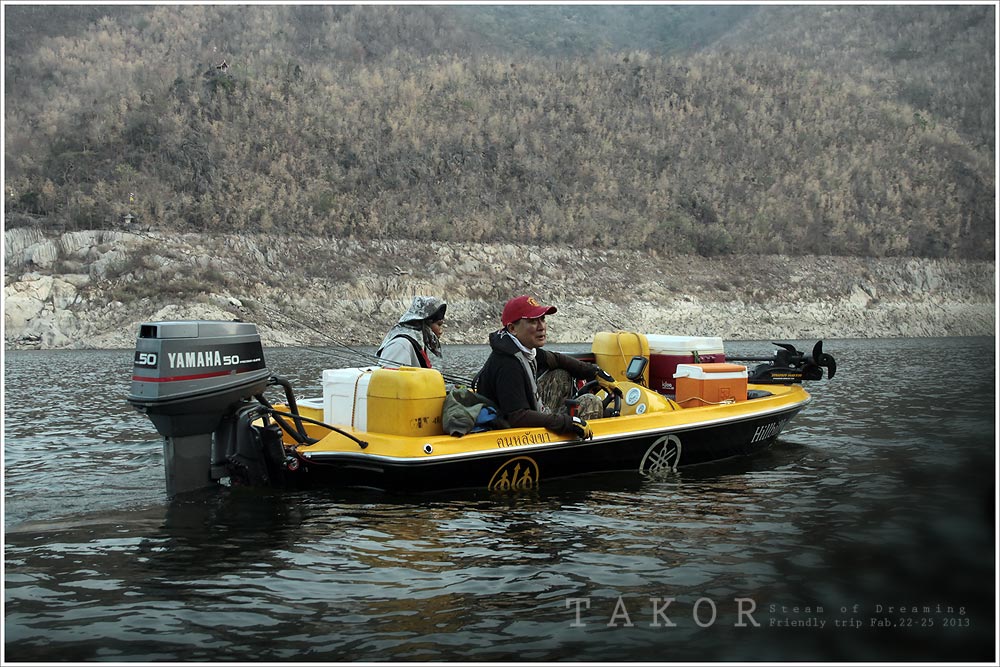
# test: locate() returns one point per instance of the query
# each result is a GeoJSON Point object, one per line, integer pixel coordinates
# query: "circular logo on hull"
{"type": "Point", "coordinates": [661, 457]}
{"type": "Point", "coordinates": [517, 474]}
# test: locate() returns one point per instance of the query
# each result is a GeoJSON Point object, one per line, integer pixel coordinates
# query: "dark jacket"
{"type": "Point", "coordinates": [504, 380]}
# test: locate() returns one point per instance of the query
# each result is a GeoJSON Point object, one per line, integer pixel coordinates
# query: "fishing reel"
{"type": "Point", "coordinates": [789, 366]}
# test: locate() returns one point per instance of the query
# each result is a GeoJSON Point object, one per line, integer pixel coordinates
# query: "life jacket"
{"type": "Point", "coordinates": [411, 336]}
{"type": "Point", "coordinates": [425, 361]}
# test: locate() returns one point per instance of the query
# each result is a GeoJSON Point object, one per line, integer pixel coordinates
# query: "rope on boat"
{"type": "Point", "coordinates": [728, 401]}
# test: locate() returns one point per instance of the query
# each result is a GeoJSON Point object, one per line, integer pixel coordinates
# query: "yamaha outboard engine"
{"type": "Point", "coordinates": [190, 378]}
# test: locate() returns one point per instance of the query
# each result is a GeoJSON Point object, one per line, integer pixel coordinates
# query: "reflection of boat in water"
{"type": "Point", "coordinates": [202, 384]}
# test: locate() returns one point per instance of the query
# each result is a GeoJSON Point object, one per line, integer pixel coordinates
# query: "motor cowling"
{"type": "Point", "coordinates": [188, 377]}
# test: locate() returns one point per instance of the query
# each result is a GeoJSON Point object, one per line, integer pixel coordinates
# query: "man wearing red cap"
{"type": "Point", "coordinates": [510, 377]}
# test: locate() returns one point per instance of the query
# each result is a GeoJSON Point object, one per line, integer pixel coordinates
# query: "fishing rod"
{"type": "Point", "coordinates": [269, 311]}
{"type": "Point", "coordinates": [355, 353]}
{"type": "Point", "coordinates": [348, 353]}
{"type": "Point", "coordinates": [376, 361]}
{"type": "Point", "coordinates": [615, 326]}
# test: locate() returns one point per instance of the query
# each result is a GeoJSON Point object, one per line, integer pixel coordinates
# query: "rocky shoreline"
{"type": "Point", "coordinates": [92, 289]}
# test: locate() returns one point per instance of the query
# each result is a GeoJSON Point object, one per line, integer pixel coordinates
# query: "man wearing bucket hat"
{"type": "Point", "coordinates": [519, 375]}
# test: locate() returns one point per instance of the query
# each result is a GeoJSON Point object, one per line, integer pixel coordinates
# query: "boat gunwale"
{"type": "Point", "coordinates": [319, 456]}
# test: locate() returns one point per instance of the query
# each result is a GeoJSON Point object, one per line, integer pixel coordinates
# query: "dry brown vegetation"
{"type": "Point", "coordinates": [810, 130]}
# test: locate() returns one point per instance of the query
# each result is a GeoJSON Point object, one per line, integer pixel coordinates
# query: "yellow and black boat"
{"type": "Point", "coordinates": [203, 385]}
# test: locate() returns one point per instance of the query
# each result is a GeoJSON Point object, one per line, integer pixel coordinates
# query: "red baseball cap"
{"type": "Point", "coordinates": [524, 306]}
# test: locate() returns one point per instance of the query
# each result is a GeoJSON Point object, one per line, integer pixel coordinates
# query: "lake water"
{"type": "Point", "coordinates": [865, 534]}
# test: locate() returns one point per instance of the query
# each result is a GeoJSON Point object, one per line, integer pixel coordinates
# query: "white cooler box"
{"type": "Point", "coordinates": [345, 396]}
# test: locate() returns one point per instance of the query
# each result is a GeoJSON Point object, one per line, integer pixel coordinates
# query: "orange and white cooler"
{"type": "Point", "coordinates": [710, 384]}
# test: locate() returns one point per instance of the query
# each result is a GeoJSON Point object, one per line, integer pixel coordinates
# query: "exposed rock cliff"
{"type": "Point", "coordinates": [91, 289]}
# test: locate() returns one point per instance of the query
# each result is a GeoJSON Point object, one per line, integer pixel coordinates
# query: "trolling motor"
{"type": "Point", "coordinates": [789, 366]}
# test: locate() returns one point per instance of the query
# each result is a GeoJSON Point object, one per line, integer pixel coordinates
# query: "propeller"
{"type": "Point", "coordinates": [824, 360]}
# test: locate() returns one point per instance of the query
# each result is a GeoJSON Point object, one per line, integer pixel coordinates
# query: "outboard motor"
{"type": "Point", "coordinates": [191, 378]}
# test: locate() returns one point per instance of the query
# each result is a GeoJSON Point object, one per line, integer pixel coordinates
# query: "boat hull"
{"type": "Point", "coordinates": [525, 459]}
{"type": "Point", "coordinates": [202, 384]}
